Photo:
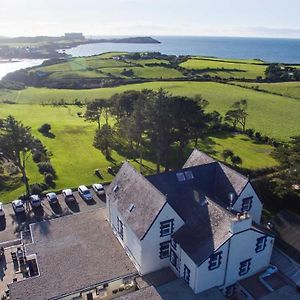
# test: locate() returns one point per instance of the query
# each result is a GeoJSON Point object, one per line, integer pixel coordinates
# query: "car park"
{"type": "Point", "coordinates": [2, 213]}
{"type": "Point", "coordinates": [68, 195]}
{"type": "Point", "coordinates": [98, 188]}
{"type": "Point", "coordinates": [52, 198]}
{"type": "Point", "coordinates": [85, 193]}
{"type": "Point", "coordinates": [18, 206]}
{"type": "Point", "coordinates": [35, 200]}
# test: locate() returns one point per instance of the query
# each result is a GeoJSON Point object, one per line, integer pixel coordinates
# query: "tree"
{"type": "Point", "coordinates": [94, 111]}
{"type": "Point", "coordinates": [16, 143]}
{"type": "Point", "coordinates": [238, 114]}
{"type": "Point", "coordinates": [159, 123]}
{"type": "Point", "coordinates": [104, 140]}
{"type": "Point", "coordinates": [227, 153]}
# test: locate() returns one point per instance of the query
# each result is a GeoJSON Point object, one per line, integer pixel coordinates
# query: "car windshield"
{"type": "Point", "coordinates": [86, 192]}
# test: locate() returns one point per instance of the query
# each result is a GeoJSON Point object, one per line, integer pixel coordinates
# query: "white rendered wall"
{"type": "Point", "coordinates": [256, 208]}
{"type": "Point", "coordinates": [242, 247]}
{"type": "Point", "coordinates": [151, 242]}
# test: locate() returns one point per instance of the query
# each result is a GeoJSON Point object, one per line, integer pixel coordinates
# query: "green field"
{"type": "Point", "coordinates": [289, 89]}
{"type": "Point", "coordinates": [225, 69]}
{"type": "Point", "coordinates": [75, 159]}
{"type": "Point", "coordinates": [232, 60]}
{"type": "Point", "coordinates": [99, 66]}
{"type": "Point", "coordinates": [273, 115]}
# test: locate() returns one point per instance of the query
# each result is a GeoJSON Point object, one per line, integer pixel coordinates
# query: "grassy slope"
{"type": "Point", "coordinates": [244, 61]}
{"type": "Point", "coordinates": [289, 89]}
{"type": "Point", "coordinates": [273, 115]}
{"type": "Point", "coordinates": [75, 159]}
{"type": "Point", "coordinates": [232, 69]}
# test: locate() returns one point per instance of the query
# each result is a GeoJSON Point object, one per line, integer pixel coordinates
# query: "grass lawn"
{"type": "Point", "coordinates": [156, 72]}
{"type": "Point", "coordinates": [75, 159]}
{"type": "Point", "coordinates": [225, 69]}
{"type": "Point", "coordinates": [289, 89]}
{"type": "Point", "coordinates": [253, 155]}
{"type": "Point", "coordinates": [273, 115]}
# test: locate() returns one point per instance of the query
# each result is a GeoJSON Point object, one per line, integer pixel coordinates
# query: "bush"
{"type": "Point", "coordinates": [45, 128]}
{"type": "Point", "coordinates": [37, 156]}
{"type": "Point", "coordinates": [49, 179]}
{"type": "Point", "coordinates": [249, 132]}
{"type": "Point", "coordinates": [46, 167]}
{"type": "Point", "coordinates": [37, 188]}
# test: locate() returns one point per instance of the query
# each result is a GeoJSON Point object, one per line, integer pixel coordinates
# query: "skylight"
{"type": "Point", "coordinates": [116, 187]}
{"type": "Point", "coordinates": [180, 177]}
{"type": "Point", "coordinates": [131, 207]}
{"type": "Point", "coordinates": [189, 175]}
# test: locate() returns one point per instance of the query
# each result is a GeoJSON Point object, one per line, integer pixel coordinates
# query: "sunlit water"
{"type": "Point", "coordinates": [11, 66]}
{"type": "Point", "coordinates": [269, 50]}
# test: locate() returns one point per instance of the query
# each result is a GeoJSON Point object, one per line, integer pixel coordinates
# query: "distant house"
{"type": "Point", "coordinates": [74, 36]}
{"type": "Point", "coordinates": [201, 220]}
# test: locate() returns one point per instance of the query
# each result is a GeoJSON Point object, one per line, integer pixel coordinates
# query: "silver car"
{"type": "Point", "coordinates": [18, 206]}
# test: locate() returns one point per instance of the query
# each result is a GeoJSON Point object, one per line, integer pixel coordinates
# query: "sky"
{"type": "Point", "coordinates": [255, 18]}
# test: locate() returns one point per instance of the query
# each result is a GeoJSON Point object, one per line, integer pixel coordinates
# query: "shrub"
{"type": "Point", "coordinates": [46, 167]}
{"type": "Point", "coordinates": [37, 188]}
{"type": "Point", "coordinates": [37, 156]}
{"type": "Point", "coordinates": [249, 132]}
{"type": "Point", "coordinates": [258, 136]}
{"type": "Point", "coordinates": [49, 179]}
{"type": "Point", "coordinates": [45, 128]}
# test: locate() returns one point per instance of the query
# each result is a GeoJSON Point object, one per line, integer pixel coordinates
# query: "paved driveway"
{"type": "Point", "coordinates": [12, 224]}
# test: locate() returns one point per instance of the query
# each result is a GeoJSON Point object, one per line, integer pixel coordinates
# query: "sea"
{"type": "Point", "coordinates": [267, 49]}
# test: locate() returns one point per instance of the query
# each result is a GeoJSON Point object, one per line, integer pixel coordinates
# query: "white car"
{"type": "Point", "coordinates": [99, 189]}
{"type": "Point", "coordinates": [35, 200]}
{"type": "Point", "coordinates": [18, 206]}
{"type": "Point", "coordinates": [68, 195]}
{"type": "Point", "coordinates": [85, 193]}
{"type": "Point", "coordinates": [52, 198]}
{"type": "Point", "coordinates": [2, 213]}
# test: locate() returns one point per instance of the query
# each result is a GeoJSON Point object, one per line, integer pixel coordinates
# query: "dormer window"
{"type": "Point", "coordinates": [246, 204]}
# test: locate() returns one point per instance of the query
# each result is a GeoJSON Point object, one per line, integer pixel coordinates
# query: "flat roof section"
{"type": "Point", "coordinates": [73, 252]}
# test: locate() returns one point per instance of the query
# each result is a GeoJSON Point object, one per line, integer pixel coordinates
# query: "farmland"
{"type": "Point", "coordinates": [288, 89]}
{"type": "Point", "coordinates": [226, 69]}
{"type": "Point", "coordinates": [273, 115]}
{"type": "Point", "coordinates": [72, 153]}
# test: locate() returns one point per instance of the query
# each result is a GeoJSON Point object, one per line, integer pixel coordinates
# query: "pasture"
{"type": "Point", "coordinates": [225, 69]}
{"type": "Point", "coordinates": [288, 89]}
{"type": "Point", "coordinates": [272, 115]}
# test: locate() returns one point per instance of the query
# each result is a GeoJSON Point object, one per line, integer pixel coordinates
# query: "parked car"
{"type": "Point", "coordinates": [68, 195]}
{"type": "Point", "coordinates": [98, 188]}
{"type": "Point", "coordinates": [18, 206]}
{"type": "Point", "coordinates": [85, 193]}
{"type": "Point", "coordinates": [35, 200]}
{"type": "Point", "coordinates": [2, 213]}
{"type": "Point", "coordinates": [52, 198]}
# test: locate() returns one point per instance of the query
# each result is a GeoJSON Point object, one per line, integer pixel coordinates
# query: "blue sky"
{"type": "Point", "coordinates": [264, 18]}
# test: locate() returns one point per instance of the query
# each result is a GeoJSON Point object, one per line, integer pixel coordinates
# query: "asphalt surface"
{"type": "Point", "coordinates": [12, 224]}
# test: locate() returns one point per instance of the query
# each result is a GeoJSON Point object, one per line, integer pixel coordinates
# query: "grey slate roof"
{"type": "Point", "coordinates": [202, 237]}
{"type": "Point", "coordinates": [73, 252]}
{"type": "Point", "coordinates": [134, 189]}
{"type": "Point", "coordinates": [227, 180]}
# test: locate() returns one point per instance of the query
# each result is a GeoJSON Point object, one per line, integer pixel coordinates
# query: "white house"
{"type": "Point", "coordinates": [201, 220]}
